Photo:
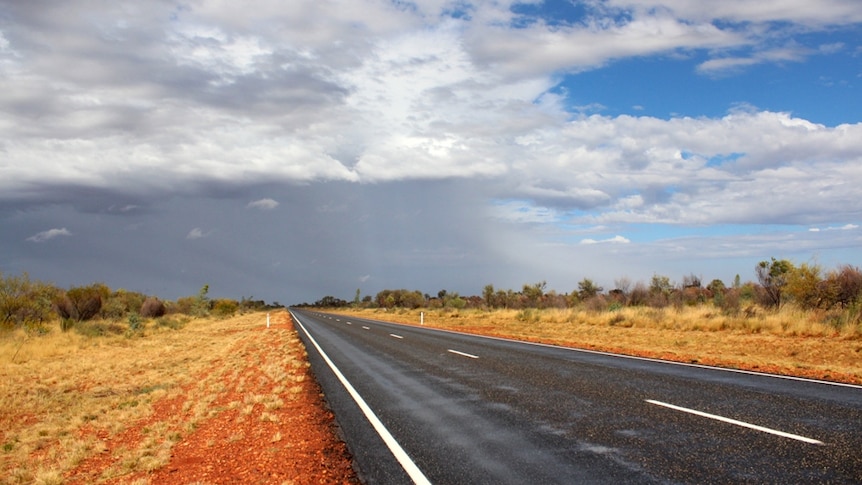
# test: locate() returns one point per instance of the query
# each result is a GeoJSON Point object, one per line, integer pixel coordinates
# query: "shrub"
{"type": "Point", "coordinates": [80, 303]}
{"type": "Point", "coordinates": [120, 303]}
{"type": "Point", "coordinates": [24, 302]}
{"type": "Point", "coordinates": [152, 308]}
{"type": "Point", "coordinates": [225, 307]}
{"type": "Point", "coordinates": [136, 324]}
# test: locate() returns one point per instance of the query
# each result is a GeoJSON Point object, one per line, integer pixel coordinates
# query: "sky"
{"type": "Point", "coordinates": [287, 151]}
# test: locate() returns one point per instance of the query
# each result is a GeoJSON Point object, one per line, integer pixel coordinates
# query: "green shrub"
{"type": "Point", "coordinates": [136, 323]}
{"type": "Point", "coordinates": [225, 307]}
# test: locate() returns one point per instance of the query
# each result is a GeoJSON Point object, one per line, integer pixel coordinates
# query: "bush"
{"type": "Point", "coordinates": [24, 302]}
{"type": "Point", "coordinates": [120, 303]}
{"type": "Point", "coordinates": [152, 308]}
{"type": "Point", "coordinates": [225, 307]}
{"type": "Point", "coordinates": [79, 304]}
{"type": "Point", "coordinates": [136, 324]}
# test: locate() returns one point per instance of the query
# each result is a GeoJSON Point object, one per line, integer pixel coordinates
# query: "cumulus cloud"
{"type": "Point", "coordinates": [263, 204]}
{"type": "Point", "coordinates": [48, 235]}
{"type": "Point", "coordinates": [217, 101]}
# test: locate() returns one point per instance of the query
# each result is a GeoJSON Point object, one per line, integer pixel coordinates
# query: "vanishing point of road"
{"type": "Point", "coordinates": [418, 405]}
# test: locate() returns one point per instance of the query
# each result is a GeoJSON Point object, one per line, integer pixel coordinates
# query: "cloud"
{"type": "Point", "coordinates": [48, 235]}
{"type": "Point", "coordinates": [197, 233]}
{"type": "Point", "coordinates": [263, 204]}
{"type": "Point", "coordinates": [726, 65]}
{"type": "Point", "coordinates": [614, 240]}
{"type": "Point", "coordinates": [845, 227]}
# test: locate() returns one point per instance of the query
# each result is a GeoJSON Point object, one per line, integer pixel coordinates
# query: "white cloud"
{"type": "Point", "coordinates": [614, 240]}
{"type": "Point", "coordinates": [729, 64]}
{"type": "Point", "coordinates": [263, 204]}
{"type": "Point", "coordinates": [197, 233]}
{"type": "Point", "coordinates": [845, 227]}
{"type": "Point", "coordinates": [48, 235]}
{"type": "Point", "coordinates": [804, 12]}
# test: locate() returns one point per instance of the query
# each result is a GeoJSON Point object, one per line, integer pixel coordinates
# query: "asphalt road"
{"type": "Point", "coordinates": [447, 408]}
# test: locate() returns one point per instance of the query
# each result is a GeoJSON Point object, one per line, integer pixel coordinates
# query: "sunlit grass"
{"type": "Point", "coordinates": [63, 394]}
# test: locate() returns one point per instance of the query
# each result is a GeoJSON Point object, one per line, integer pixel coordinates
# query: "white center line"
{"type": "Point", "coordinates": [737, 423]}
{"type": "Point", "coordinates": [366, 328]}
{"type": "Point", "coordinates": [464, 354]}
{"type": "Point", "coordinates": [395, 336]}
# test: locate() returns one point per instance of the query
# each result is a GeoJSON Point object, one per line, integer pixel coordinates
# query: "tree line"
{"type": "Point", "coordinates": [778, 281]}
{"type": "Point", "coordinates": [32, 304]}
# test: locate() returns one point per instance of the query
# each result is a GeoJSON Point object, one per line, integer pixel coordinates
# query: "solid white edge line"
{"type": "Point", "coordinates": [737, 423]}
{"type": "Point", "coordinates": [464, 354]}
{"type": "Point", "coordinates": [412, 470]}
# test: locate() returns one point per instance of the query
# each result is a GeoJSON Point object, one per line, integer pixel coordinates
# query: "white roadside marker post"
{"type": "Point", "coordinates": [267, 320]}
{"type": "Point", "coordinates": [421, 318]}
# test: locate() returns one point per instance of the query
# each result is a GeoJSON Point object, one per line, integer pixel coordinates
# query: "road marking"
{"type": "Point", "coordinates": [737, 423]}
{"type": "Point", "coordinates": [350, 323]}
{"type": "Point", "coordinates": [396, 336]}
{"type": "Point", "coordinates": [409, 466]}
{"type": "Point", "coordinates": [464, 354]}
{"type": "Point", "coordinates": [366, 328]}
{"type": "Point", "coordinates": [647, 359]}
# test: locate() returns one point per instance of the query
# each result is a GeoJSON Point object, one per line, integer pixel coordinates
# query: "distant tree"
{"type": "Point", "coordinates": [587, 289]}
{"type": "Point", "coordinates": [772, 276]}
{"type": "Point", "coordinates": [488, 295]}
{"type": "Point", "coordinates": [716, 286]}
{"type": "Point", "coordinates": [660, 284]}
{"type": "Point", "coordinates": [78, 304]}
{"type": "Point", "coordinates": [623, 284]}
{"type": "Point", "coordinates": [691, 281]}
{"type": "Point", "coordinates": [804, 285]}
{"type": "Point", "coordinates": [533, 293]}
{"type": "Point", "coordinates": [848, 281]}
{"type": "Point", "coordinates": [23, 301]}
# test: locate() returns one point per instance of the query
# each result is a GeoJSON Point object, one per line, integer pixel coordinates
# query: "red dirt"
{"type": "Point", "coordinates": [295, 443]}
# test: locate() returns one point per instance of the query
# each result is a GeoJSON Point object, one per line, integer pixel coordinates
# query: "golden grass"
{"type": "Point", "coordinates": [789, 341]}
{"type": "Point", "coordinates": [62, 395]}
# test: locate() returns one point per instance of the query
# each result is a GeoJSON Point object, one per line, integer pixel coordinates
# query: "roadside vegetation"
{"type": "Point", "coordinates": [79, 366]}
{"type": "Point", "coordinates": [794, 319]}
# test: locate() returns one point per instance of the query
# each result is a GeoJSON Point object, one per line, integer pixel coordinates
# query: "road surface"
{"type": "Point", "coordinates": [418, 405]}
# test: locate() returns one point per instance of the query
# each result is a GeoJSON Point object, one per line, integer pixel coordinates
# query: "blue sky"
{"type": "Point", "coordinates": [291, 150]}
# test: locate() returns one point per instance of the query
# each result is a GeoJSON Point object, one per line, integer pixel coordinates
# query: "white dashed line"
{"type": "Point", "coordinates": [464, 354]}
{"type": "Point", "coordinates": [737, 423]}
{"type": "Point", "coordinates": [366, 328]}
{"type": "Point", "coordinates": [395, 336]}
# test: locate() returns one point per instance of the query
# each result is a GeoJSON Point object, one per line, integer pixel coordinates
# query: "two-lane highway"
{"type": "Point", "coordinates": [422, 405]}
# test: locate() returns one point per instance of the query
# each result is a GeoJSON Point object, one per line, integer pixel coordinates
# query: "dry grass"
{"type": "Point", "coordinates": [64, 395]}
{"type": "Point", "coordinates": [790, 341]}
